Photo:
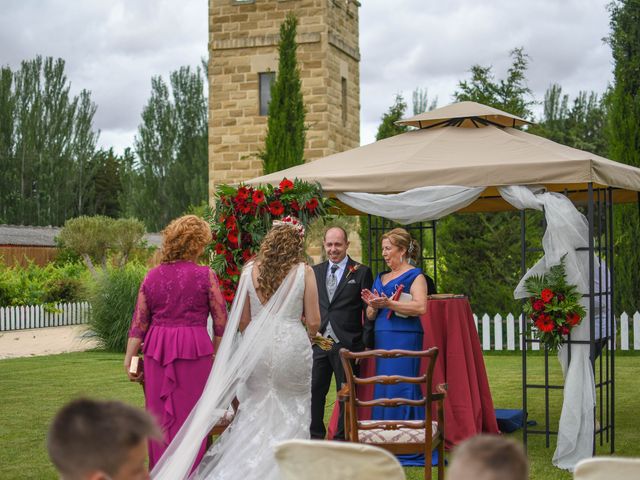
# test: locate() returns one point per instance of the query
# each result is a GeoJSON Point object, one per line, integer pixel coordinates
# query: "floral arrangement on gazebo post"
{"type": "Point", "coordinates": [244, 214]}
{"type": "Point", "coordinates": [553, 306]}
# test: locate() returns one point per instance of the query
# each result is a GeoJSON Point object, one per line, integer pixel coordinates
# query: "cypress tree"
{"type": "Point", "coordinates": [624, 144]}
{"type": "Point", "coordinates": [286, 132]}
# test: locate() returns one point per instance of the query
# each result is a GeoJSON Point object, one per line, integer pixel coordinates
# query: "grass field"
{"type": "Point", "coordinates": [34, 388]}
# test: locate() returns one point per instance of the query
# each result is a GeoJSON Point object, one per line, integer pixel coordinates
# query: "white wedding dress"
{"type": "Point", "coordinates": [269, 370]}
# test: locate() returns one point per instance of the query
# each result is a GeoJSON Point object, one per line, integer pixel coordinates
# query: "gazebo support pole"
{"type": "Point", "coordinates": [523, 327]}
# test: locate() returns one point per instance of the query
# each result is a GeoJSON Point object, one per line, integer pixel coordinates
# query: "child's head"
{"type": "Point", "coordinates": [100, 440]}
{"type": "Point", "coordinates": [489, 457]}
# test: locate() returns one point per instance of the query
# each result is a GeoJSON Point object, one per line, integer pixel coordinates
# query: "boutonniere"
{"type": "Point", "coordinates": [352, 269]}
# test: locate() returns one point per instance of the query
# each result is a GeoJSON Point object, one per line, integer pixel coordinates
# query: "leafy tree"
{"type": "Point", "coordinates": [106, 184]}
{"type": "Point", "coordinates": [286, 131]}
{"type": "Point", "coordinates": [480, 253]}
{"type": "Point", "coordinates": [46, 135]}
{"type": "Point", "coordinates": [510, 94]}
{"type": "Point", "coordinates": [94, 237]}
{"type": "Point", "coordinates": [171, 169]}
{"type": "Point", "coordinates": [579, 124]}
{"type": "Point", "coordinates": [421, 101]}
{"type": "Point", "coordinates": [624, 144]}
{"type": "Point", "coordinates": [388, 127]}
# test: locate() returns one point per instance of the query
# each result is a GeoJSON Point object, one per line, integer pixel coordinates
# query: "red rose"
{"type": "Point", "coordinates": [276, 208]}
{"type": "Point", "coordinates": [545, 323]}
{"type": "Point", "coordinates": [246, 255]}
{"type": "Point", "coordinates": [573, 319]}
{"type": "Point", "coordinates": [228, 295]}
{"type": "Point", "coordinates": [244, 208]}
{"type": "Point", "coordinates": [232, 269]}
{"type": "Point", "coordinates": [560, 297]}
{"type": "Point", "coordinates": [220, 248]}
{"type": "Point", "coordinates": [286, 185]}
{"type": "Point", "coordinates": [294, 206]}
{"type": "Point", "coordinates": [243, 193]}
{"type": "Point", "coordinates": [233, 239]}
{"type": "Point", "coordinates": [230, 222]}
{"type": "Point", "coordinates": [312, 204]}
{"type": "Point", "coordinates": [258, 197]}
{"type": "Point", "coordinates": [246, 238]}
{"type": "Point", "coordinates": [546, 295]}
{"type": "Point", "coordinates": [564, 330]}
{"type": "Point", "coordinates": [538, 305]}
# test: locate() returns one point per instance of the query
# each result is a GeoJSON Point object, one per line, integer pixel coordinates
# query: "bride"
{"type": "Point", "coordinates": [267, 366]}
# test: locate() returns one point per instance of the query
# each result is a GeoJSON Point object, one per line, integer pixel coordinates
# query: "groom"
{"type": "Point", "coordinates": [340, 281]}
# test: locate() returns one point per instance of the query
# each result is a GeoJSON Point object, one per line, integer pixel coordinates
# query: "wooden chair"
{"type": "Point", "coordinates": [396, 436]}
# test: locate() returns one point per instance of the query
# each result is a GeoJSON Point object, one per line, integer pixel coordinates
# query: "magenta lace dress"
{"type": "Point", "coordinates": [171, 313]}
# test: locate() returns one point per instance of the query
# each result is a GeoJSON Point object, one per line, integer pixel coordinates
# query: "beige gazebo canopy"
{"type": "Point", "coordinates": [466, 144]}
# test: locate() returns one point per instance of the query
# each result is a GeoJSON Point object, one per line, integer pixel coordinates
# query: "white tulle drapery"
{"type": "Point", "coordinates": [567, 230]}
{"type": "Point", "coordinates": [416, 205]}
{"type": "Point", "coordinates": [235, 360]}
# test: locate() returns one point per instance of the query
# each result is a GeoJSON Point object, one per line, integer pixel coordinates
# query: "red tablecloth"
{"type": "Point", "coordinates": [448, 325]}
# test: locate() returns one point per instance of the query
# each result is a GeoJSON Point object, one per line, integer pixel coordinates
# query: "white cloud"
{"type": "Point", "coordinates": [113, 48]}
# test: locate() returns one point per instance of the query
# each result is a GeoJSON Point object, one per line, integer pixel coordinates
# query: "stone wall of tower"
{"type": "Point", "coordinates": [243, 39]}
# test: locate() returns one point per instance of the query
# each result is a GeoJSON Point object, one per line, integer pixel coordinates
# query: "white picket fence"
{"type": "Point", "coordinates": [497, 333]}
{"type": "Point", "coordinates": [40, 316]}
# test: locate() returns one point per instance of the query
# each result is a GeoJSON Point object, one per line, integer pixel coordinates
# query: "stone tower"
{"type": "Point", "coordinates": [243, 59]}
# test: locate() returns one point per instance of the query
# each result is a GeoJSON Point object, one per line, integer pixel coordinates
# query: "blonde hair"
{"type": "Point", "coordinates": [400, 238]}
{"type": "Point", "coordinates": [281, 249]}
{"type": "Point", "coordinates": [184, 238]}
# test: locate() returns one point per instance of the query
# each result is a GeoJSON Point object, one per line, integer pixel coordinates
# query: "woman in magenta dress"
{"type": "Point", "coordinates": [170, 323]}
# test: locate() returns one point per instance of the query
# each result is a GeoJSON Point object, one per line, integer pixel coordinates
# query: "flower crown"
{"type": "Point", "coordinates": [291, 222]}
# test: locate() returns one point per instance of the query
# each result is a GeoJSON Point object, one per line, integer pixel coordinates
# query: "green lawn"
{"type": "Point", "coordinates": [34, 388]}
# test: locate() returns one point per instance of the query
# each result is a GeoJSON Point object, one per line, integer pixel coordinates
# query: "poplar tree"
{"type": "Point", "coordinates": [47, 144]}
{"type": "Point", "coordinates": [624, 145]}
{"type": "Point", "coordinates": [286, 131]}
{"type": "Point", "coordinates": [170, 170]}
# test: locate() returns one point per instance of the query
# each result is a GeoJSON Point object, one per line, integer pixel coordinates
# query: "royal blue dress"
{"type": "Point", "coordinates": [398, 333]}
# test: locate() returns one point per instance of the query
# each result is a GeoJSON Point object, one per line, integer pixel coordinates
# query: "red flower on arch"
{"type": "Point", "coordinates": [276, 208]}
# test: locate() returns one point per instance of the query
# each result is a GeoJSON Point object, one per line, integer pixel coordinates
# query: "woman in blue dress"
{"type": "Point", "coordinates": [402, 329]}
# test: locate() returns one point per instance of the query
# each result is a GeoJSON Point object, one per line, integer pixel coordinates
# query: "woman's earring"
{"type": "Point", "coordinates": [402, 259]}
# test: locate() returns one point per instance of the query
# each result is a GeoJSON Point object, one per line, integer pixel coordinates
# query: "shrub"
{"type": "Point", "coordinates": [113, 297]}
{"type": "Point", "coordinates": [35, 285]}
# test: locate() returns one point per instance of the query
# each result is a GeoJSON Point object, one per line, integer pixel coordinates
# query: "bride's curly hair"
{"type": "Point", "coordinates": [281, 249]}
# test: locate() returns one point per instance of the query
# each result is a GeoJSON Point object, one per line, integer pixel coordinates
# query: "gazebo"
{"type": "Point", "coordinates": [468, 157]}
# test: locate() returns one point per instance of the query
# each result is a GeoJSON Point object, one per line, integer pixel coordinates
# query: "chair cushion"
{"type": "Point", "coordinates": [227, 418]}
{"type": "Point", "coordinates": [401, 435]}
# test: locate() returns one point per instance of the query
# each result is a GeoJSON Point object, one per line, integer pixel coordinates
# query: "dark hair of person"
{"type": "Point", "coordinates": [88, 435]}
{"type": "Point", "coordinates": [491, 457]}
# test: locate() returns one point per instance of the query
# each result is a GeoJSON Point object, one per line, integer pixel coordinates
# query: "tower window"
{"type": "Point", "coordinates": [344, 101]}
{"type": "Point", "coordinates": [266, 79]}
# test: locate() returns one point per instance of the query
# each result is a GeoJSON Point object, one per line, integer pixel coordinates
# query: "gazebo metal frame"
{"type": "Point", "coordinates": [597, 205]}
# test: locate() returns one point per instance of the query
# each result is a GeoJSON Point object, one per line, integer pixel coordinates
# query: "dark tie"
{"type": "Point", "coordinates": [332, 282]}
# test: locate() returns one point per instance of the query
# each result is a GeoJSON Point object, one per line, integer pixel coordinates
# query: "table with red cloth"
{"type": "Point", "coordinates": [448, 324]}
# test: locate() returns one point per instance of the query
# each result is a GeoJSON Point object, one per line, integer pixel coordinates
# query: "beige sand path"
{"type": "Point", "coordinates": [45, 341]}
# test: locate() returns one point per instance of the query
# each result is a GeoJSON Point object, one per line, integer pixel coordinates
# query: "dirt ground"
{"type": "Point", "coordinates": [45, 341]}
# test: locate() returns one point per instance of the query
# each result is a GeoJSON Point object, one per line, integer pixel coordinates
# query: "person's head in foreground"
{"type": "Point", "coordinates": [489, 457]}
{"type": "Point", "coordinates": [100, 440]}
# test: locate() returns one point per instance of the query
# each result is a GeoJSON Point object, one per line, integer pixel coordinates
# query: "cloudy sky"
{"type": "Point", "coordinates": [114, 47]}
